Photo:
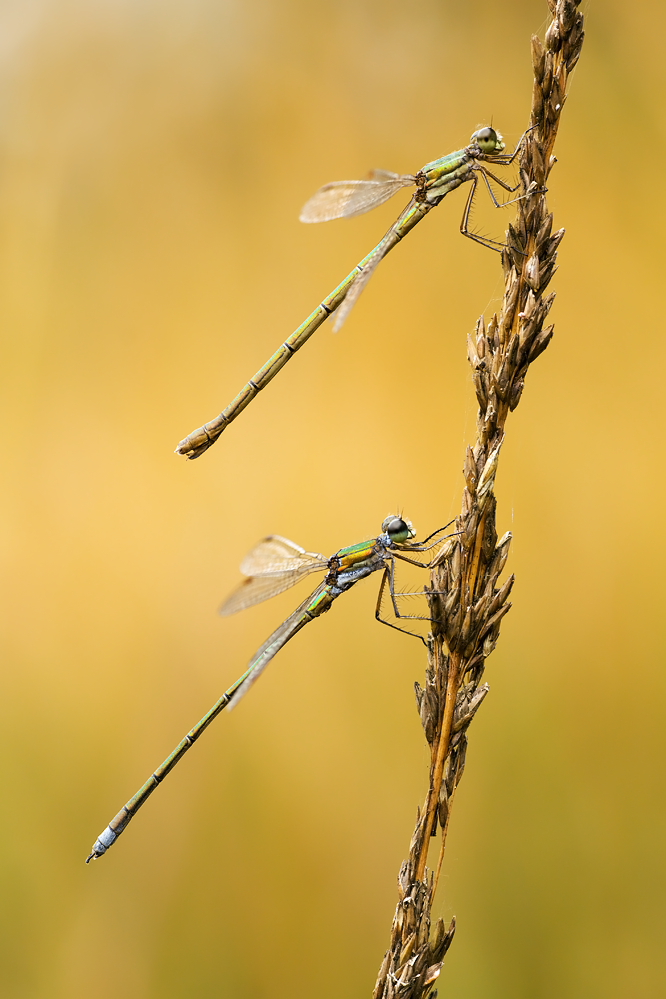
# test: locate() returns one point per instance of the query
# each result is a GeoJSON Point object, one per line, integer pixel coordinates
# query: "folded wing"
{"type": "Point", "coordinates": [348, 198]}
{"type": "Point", "coordinates": [272, 646]}
{"type": "Point", "coordinates": [357, 287]}
{"type": "Point", "coordinates": [272, 567]}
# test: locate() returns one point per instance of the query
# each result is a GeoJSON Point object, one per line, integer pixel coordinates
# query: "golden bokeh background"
{"type": "Point", "coordinates": [154, 157]}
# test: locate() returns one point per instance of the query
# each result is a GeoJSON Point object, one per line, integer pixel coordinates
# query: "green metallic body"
{"type": "Point", "coordinates": [344, 569]}
{"type": "Point", "coordinates": [433, 183]}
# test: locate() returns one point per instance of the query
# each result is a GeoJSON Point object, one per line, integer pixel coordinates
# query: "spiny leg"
{"type": "Point", "coordinates": [425, 548]}
{"type": "Point", "coordinates": [533, 189]}
{"type": "Point", "coordinates": [492, 244]}
{"type": "Point", "coordinates": [413, 561]}
{"type": "Point", "coordinates": [421, 545]}
{"type": "Point", "coordinates": [389, 576]}
{"type": "Point", "coordinates": [507, 187]}
{"type": "Point", "coordinates": [378, 608]}
{"type": "Point", "coordinates": [394, 596]}
{"type": "Point", "coordinates": [506, 159]}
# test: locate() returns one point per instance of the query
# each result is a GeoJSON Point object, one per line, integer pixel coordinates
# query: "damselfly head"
{"type": "Point", "coordinates": [398, 529]}
{"type": "Point", "coordinates": [488, 140]}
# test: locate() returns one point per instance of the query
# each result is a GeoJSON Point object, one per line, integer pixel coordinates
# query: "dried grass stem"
{"type": "Point", "coordinates": [466, 599]}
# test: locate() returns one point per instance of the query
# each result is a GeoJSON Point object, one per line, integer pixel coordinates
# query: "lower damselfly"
{"type": "Point", "coordinates": [348, 198]}
{"type": "Point", "coordinates": [273, 566]}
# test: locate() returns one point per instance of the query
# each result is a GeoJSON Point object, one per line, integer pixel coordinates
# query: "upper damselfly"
{"type": "Point", "coordinates": [273, 566]}
{"type": "Point", "coordinates": [348, 198]}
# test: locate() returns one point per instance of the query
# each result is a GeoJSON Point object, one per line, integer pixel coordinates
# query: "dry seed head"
{"type": "Point", "coordinates": [500, 358]}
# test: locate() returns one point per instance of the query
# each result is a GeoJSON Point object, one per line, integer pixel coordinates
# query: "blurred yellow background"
{"type": "Point", "coordinates": [154, 158]}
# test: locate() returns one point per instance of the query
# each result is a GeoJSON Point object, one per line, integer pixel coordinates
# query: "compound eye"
{"type": "Point", "coordinates": [397, 529]}
{"type": "Point", "coordinates": [486, 138]}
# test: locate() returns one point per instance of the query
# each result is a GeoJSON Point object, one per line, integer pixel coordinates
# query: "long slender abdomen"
{"type": "Point", "coordinates": [129, 810]}
{"type": "Point", "coordinates": [201, 439]}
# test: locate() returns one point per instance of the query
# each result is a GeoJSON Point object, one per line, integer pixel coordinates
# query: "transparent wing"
{"type": "Point", "coordinates": [377, 174]}
{"type": "Point", "coordinates": [256, 589]}
{"type": "Point", "coordinates": [272, 567]}
{"type": "Point", "coordinates": [272, 646]}
{"type": "Point", "coordinates": [357, 286]}
{"type": "Point", "coordinates": [348, 198]}
{"type": "Point", "coordinates": [277, 554]}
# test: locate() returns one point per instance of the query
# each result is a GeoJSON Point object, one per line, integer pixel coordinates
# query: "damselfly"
{"type": "Point", "coordinates": [347, 198]}
{"type": "Point", "coordinates": [273, 566]}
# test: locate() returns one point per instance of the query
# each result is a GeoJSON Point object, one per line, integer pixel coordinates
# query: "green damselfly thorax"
{"type": "Point", "coordinates": [348, 198]}
{"type": "Point", "coordinates": [273, 566]}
